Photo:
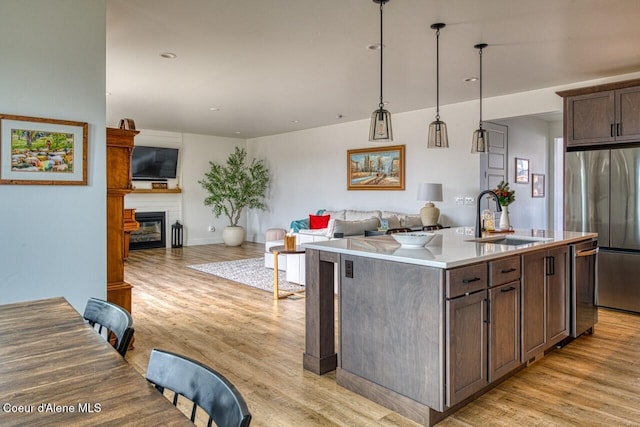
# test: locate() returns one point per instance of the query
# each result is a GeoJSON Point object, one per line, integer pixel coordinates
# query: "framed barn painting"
{"type": "Point", "coordinates": [376, 168]}
{"type": "Point", "coordinates": [35, 151]}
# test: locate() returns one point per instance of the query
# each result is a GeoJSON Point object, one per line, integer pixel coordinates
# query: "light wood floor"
{"type": "Point", "coordinates": [258, 343]}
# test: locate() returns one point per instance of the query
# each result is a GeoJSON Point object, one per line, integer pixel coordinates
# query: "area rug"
{"type": "Point", "coordinates": [250, 272]}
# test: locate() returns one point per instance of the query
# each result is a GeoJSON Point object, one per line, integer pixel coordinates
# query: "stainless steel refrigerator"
{"type": "Point", "coordinates": [602, 195]}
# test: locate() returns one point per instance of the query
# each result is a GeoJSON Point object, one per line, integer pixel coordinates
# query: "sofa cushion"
{"type": "Point", "coordinates": [355, 228]}
{"type": "Point", "coordinates": [334, 214]}
{"type": "Point", "coordinates": [352, 215]}
{"type": "Point", "coordinates": [318, 221]}
{"type": "Point", "coordinates": [411, 221]}
{"type": "Point", "coordinates": [392, 220]}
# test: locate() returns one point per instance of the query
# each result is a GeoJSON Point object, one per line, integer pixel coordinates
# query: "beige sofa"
{"type": "Point", "coordinates": [342, 223]}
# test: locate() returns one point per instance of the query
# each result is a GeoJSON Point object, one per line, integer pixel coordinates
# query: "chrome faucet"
{"type": "Point", "coordinates": [495, 197]}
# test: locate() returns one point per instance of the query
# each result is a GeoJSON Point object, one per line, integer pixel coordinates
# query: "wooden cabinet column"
{"type": "Point", "coordinates": [119, 149]}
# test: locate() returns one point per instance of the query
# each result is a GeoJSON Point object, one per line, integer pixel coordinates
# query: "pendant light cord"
{"type": "Point", "coordinates": [480, 52]}
{"type": "Point", "coordinates": [381, 48]}
{"type": "Point", "coordinates": [438, 74]}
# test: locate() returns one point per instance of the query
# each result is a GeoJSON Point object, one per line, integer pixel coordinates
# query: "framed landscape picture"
{"type": "Point", "coordinates": [522, 171]}
{"type": "Point", "coordinates": [537, 185]}
{"type": "Point", "coordinates": [376, 168]}
{"type": "Point", "coordinates": [36, 151]}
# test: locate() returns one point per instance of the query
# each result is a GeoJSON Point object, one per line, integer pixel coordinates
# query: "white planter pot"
{"type": "Point", "coordinates": [233, 235]}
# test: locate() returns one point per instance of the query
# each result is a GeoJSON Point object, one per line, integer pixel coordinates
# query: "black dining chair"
{"type": "Point", "coordinates": [116, 320]}
{"type": "Point", "coordinates": [200, 384]}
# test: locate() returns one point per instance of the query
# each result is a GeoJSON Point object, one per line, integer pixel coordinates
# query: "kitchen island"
{"type": "Point", "coordinates": [424, 331]}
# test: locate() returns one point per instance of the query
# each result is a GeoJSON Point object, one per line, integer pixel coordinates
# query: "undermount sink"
{"type": "Point", "coordinates": [510, 240]}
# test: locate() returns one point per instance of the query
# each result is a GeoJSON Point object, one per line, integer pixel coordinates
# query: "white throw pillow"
{"type": "Point", "coordinates": [352, 215]}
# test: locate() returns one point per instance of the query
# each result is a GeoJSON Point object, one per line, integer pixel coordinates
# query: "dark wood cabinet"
{"type": "Point", "coordinates": [557, 295]}
{"type": "Point", "coordinates": [466, 343]}
{"type": "Point", "coordinates": [504, 316]}
{"type": "Point", "coordinates": [627, 106]}
{"type": "Point", "coordinates": [545, 300]}
{"type": "Point", "coordinates": [605, 114]}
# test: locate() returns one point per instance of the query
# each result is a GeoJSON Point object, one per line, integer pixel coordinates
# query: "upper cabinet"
{"type": "Point", "coordinates": [605, 114]}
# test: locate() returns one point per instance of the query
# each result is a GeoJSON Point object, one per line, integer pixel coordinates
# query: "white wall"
{"type": "Point", "coordinates": [53, 66]}
{"type": "Point", "coordinates": [528, 139]}
{"type": "Point", "coordinates": [309, 167]}
{"type": "Point", "coordinates": [187, 206]}
{"type": "Point", "coordinates": [198, 151]}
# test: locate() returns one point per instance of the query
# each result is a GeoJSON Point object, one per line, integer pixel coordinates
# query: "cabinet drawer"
{"type": "Point", "coordinates": [466, 279]}
{"type": "Point", "coordinates": [504, 270]}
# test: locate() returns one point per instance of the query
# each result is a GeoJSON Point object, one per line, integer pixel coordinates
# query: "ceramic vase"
{"type": "Point", "coordinates": [504, 220]}
{"type": "Point", "coordinates": [233, 235]}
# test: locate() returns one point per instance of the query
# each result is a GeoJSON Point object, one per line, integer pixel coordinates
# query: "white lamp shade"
{"type": "Point", "coordinates": [430, 192]}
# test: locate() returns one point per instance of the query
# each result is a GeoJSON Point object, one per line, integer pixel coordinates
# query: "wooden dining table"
{"type": "Point", "coordinates": [56, 370]}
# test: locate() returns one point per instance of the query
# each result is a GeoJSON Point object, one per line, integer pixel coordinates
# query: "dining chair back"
{"type": "Point", "coordinates": [399, 230]}
{"type": "Point", "coordinates": [200, 384]}
{"type": "Point", "coordinates": [116, 320]}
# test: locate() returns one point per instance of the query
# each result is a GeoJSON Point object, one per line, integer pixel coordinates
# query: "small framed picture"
{"type": "Point", "coordinates": [537, 185]}
{"type": "Point", "coordinates": [522, 171]}
{"type": "Point", "coordinates": [40, 151]}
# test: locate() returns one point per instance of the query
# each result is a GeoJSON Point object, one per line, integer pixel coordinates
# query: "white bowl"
{"type": "Point", "coordinates": [413, 240]}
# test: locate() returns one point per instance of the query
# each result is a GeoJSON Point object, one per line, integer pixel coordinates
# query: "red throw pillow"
{"type": "Point", "coordinates": [317, 222]}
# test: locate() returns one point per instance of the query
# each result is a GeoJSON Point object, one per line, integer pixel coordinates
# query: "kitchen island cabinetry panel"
{"type": "Point", "coordinates": [504, 329]}
{"type": "Point", "coordinates": [425, 331]}
{"type": "Point", "coordinates": [466, 346]}
{"type": "Point", "coordinates": [392, 327]}
{"type": "Point", "coordinates": [545, 300]}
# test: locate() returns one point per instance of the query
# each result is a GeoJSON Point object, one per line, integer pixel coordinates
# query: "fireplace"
{"type": "Point", "coordinates": [151, 233]}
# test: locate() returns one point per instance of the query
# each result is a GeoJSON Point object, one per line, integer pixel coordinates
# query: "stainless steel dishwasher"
{"type": "Point", "coordinates": [584, 287]}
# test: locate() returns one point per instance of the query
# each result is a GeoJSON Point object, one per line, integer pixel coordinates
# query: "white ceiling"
{"type": "Point", "coordinates": [267, 63]}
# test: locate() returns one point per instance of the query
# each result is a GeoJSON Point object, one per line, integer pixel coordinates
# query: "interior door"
{"type": "Point", "coordinates": [494, 164]}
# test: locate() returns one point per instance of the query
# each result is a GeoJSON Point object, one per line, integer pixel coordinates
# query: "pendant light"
{"type": "Point", "coordinates": [437, 136]}
{"type": "Point", "coordinates": [380, 129]}
{"type": "Point", "coordinates": [480, 142]}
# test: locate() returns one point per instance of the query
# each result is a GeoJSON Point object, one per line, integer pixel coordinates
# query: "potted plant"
{"type": "Point", "coordinates": [506, 196]}
{"type": "Point", "coordinates": [233, 187]}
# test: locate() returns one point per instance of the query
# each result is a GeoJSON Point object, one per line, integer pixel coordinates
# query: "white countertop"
{"type": "Point", "coordinates": [450, 248]}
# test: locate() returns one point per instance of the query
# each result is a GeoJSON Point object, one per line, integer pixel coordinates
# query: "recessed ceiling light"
{"type": "Point", "coordinates": [295, 121]}
{"type": "Point", "coordinates": [471, 79]}
{"type": "Point", "coordinates": [214, 109]}
{"type": "Point", "coordinates": [237, 132]}
{"type": "Point", "coordinates": [108, 93]}
{"type": "Point", "coordinates": [168, 55]}
{"type": "Point", "coordinates": [374, 46]}
{"type": "Point", "coordinates": [339, 116]}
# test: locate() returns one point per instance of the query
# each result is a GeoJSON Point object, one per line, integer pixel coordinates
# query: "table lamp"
{"type": "Point", "coordinates": [430, 193]}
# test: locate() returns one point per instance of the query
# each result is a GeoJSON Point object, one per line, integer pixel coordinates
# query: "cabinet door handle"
{"type": "Point", "coordinates": [618, 127]}
{"type": "Point", "coordinates": [551, 265]}
{"type": "Point", "coordinates": [475, 279]}
{"type": "Point", "coordinates": [612, 135]}
{"type": "Point", "coordinates": [488, 319]}
{"type": "Point", "coordinates": [509, 289]}
{"type": "Point", "coordinates": [508, 270]}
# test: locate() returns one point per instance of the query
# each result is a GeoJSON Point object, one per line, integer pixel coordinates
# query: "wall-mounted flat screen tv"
{"type": "Point", "coordinates": [153, 163]}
